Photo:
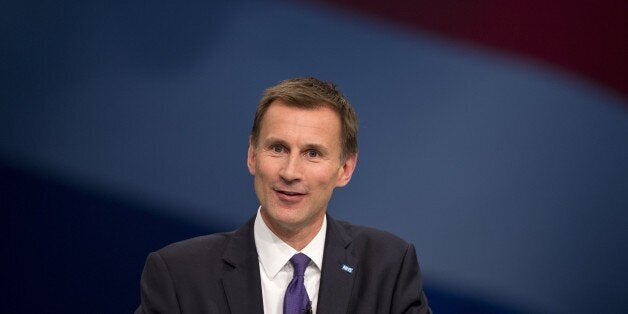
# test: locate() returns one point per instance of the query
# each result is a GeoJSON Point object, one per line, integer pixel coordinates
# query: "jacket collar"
{"type": "Point", "coordinates": [241, 279]}
{"type": "Point", "coordinates": [339, 270]}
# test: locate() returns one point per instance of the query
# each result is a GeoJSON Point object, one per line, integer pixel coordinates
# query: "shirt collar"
{"type": "Point", "coordinates": [274, 254]}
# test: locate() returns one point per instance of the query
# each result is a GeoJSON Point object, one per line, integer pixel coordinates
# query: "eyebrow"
{"type": "Point", "coordinates": [275, 140]}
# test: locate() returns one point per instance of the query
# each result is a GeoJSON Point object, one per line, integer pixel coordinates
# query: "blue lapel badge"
{"type": "Point", "coordinates": [347, 268]}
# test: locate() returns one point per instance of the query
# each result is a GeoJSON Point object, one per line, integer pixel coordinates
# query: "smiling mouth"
{"type": "Point", "coordinates": [290, 193]}
{"type": "Point", "coordinates": [289, 196]}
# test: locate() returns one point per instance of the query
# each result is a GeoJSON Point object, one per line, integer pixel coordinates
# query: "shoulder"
{"type": "Point", "coordinates": [192, 256]}
{"type": "Point", "coordinates": [195, 246]}
{"type": "Point", "coordinates": [188, 261]}
{"type": "Point", "coordinates": [369, 239]}
{"type": "Point", "coordinates": [207, 247]}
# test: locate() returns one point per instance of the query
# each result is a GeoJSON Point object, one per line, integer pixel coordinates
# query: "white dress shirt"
{"type": "Point", "coordinates": [276, 270]}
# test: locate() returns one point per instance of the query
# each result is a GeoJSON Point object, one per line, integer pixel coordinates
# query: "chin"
{"type": "Point", "coordinates": [288, 218]}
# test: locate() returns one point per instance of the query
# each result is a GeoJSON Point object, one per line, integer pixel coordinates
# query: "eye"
{"type": "Point", "coordinates": [277, 149]}
{"type": "Point", "coordinates": [312, 153]}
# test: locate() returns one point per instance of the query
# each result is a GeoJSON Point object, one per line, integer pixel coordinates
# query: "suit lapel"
{"type": "Point", "coordinates": [241, 279]}
{"type": "Point", "coordinates": [339, 270]}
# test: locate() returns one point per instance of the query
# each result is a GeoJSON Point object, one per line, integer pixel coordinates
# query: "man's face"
{"type": "Point", "coordinates": [297, 165]}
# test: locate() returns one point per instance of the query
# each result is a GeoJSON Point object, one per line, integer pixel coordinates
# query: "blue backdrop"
{"type": "Point", "coordinates": [124, 127]}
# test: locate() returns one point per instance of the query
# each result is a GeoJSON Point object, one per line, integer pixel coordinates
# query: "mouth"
{"type": "Point", "coordinates": [289, 196]}
{"type": "Point", "coordinates": [289, 192]}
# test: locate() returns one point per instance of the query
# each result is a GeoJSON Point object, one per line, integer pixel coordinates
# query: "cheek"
{"type": "Point", "coordinates": [265, 170]}
{"type": "Point", "coordinates": [325, 178]}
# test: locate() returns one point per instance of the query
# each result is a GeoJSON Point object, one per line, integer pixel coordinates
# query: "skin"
{"type": "Point", "coordinates": [296, 167]}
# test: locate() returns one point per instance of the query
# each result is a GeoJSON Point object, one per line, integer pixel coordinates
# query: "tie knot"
{"type": "Point", "coordinates": [299, 262]}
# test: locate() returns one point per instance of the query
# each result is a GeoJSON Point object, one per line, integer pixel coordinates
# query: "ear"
{"type": "Point", "coordinates": [250, 159]}
{"type": "Point", "coordinates": [346, 170]}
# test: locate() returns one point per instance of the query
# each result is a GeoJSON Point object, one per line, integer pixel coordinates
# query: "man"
{"type": "Point", "coordinates": [291, 257]}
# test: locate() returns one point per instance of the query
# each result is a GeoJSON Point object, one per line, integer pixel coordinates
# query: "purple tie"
{"type": "Point", "coordinates": [296, 300]}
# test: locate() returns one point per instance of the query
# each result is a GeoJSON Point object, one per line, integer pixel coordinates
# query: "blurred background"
{"type": "Point", "coordinates": [493, 136]}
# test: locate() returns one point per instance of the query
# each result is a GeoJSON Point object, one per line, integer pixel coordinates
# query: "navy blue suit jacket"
{"type": "Point", "coordinates": [364, 271]}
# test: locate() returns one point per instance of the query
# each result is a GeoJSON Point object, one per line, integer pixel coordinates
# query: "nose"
{"type": "Point", "coordinates": [291, 169]}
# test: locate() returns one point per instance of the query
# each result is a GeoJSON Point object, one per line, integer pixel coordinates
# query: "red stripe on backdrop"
{"type": "Point", "coordinates": [585, 37]}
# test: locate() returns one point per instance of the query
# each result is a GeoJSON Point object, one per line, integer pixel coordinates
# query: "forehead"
{"type": "Point", "coordinates": [282, 120]}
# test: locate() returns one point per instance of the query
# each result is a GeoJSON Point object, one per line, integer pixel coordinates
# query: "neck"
{"type": "Point", "coordinates": [297, 237]}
